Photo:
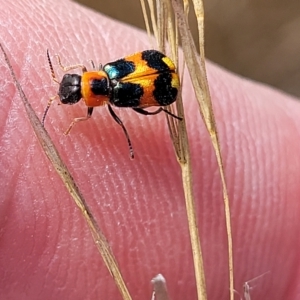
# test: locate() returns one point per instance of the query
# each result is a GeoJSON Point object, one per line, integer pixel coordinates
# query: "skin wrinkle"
{"type": "Point", "coordinates": [4, 114]}
{"type": "Point", "coordinates": [256, 169]}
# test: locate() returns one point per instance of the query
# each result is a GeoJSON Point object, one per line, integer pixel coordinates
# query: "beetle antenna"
{"type": "Point", "coordinates": [52, 98]}
{"type": "Point", "coordinates": [51, 68]}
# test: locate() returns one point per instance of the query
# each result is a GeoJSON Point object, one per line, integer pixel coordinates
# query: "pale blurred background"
{"type": "Point", "coordinates": [259, 39]}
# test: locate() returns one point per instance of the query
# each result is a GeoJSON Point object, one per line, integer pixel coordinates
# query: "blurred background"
{"type": "Point", "coordinates": [258, 39]}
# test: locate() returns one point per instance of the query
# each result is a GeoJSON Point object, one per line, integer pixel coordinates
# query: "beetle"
{"type": "Point", "coordinates": [137, 81]}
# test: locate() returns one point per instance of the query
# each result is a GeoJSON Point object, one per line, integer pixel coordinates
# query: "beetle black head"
{"type": "Point", "coordinates": [70, 89]}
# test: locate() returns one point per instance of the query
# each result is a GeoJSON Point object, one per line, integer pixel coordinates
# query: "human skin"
{"type": "Point", "coordinates": [46, 249]}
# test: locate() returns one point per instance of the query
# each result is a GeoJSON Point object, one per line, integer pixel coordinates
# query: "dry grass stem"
{"type": "Point", "coordinates": [196, 67]}
{"type": "Point", "coordinates": [61, 169]}
{"type": "Point", "coordinates": [160, 291]}
{"type": "Point", "coordinates": [167, 31]}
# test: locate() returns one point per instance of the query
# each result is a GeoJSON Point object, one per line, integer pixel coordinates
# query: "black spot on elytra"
{"type": "Point", "coordinates": [126, 94]}
{"type": "Point", "coordinates": [164, 92]}
{"type": "Point", "coordinates": [154, 60]}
